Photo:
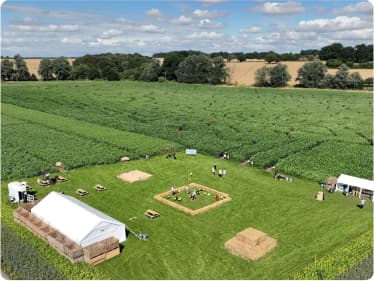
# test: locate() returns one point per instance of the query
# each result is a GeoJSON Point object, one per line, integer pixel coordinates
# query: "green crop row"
{"type": "Point", "coordinates": [248, 123]}
{"type": "Point", "coordinates": [330, 158]}
{"type": "Point", "coordinates": [339, 260]}
{"type": "Point", "coordinates": [22, 261]}
{"type": "Point", "coordinates": [50, 146]}
{"type": "Point", "coordinates": [136, 144]}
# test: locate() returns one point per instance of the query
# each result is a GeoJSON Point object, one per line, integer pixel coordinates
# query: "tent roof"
{"type": "Point", "coordinates": [357, 182]}
{"type": "Point", "coordinates": [70, 216]}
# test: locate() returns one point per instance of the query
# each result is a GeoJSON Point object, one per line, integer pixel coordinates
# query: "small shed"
{"type": "Point", "coordinates": [17, 191]}
{"type": "Point", "coordinates": [363, 186]}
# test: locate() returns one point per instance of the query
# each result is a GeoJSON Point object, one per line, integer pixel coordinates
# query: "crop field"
{"type": "Point", "coordinates": [89, 126]}
{"type": "Point", "coordinates": [307, 133]}
{"type": "Point", "coordinates": [181, 246]}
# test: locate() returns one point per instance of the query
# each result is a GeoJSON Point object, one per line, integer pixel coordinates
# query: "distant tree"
{"type": "Point", "coordinates": [342, 78]}
{"type": "Point", "coordinates": [21, 72]}
{"type": "Point", "coordinates": [151, 71]}
{"type": "Point", "coordinates": [272, 57]}
{"type": "Point", "coordinates": [218, 71]}
{"type": "Point", "coordinates": [364, 53]}
{"type": "Point", "coordinates": [33, 77]}
{"type": "Point", "coordinates": [80, 71]}
{"type": "Point", "coordinates": [46, 69]}
{"type": "Point", "coordinates": [279, 76]}
{"type": "Point", "coordinates": [333, 51]}
{"type": "Point", "coordinates": [356, 81]}
{"type": "Point", "coordinates": [368, 82]}
{"type": "Point", "coordinates": [62, 69]}
{"type": "Point", "coordinates": [262, 77]}
{"type": "Point", "coordinates": [171, 64]}
{"type": "Point", "coordinates": [334, 63]}
{"type": "Point", "coordinates": [311, 74]}
{"type": "Point", "coordinates": [7, 69]}
{"type": "Point", "coordinates": [194, 69]}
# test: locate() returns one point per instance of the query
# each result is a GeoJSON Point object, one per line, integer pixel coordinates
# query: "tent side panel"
{"type": "Point", "coordinates": [103, 231]}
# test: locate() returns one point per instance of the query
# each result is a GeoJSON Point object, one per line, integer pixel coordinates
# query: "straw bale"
{"type": "Point", "coordinates": [94, 250]}
{"type": "Point", "coordinates": [250, 244]}
{"type": "Point", "coordinates": [112, 253]}
{"type": "Point", "coordinates": [97, 259]}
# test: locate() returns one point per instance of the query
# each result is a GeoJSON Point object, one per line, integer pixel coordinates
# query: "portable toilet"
{"type": "Point", "coordinates": [17, 191]}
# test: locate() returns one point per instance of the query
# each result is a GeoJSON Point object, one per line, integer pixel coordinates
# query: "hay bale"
{"type": "Point", "coordinates": [250, 244]}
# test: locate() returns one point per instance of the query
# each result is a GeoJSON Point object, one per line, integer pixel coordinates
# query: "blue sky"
{"type": "Point", "coordinates": [74, 28]}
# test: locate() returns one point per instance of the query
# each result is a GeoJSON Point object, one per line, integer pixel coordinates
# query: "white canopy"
{"type": "Point", "coordinates": [76, 220]}
{"type": "Point", "coordinates": [356, 182]}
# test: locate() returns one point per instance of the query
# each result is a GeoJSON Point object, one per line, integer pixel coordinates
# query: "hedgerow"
{"type": "Point", "coordinates": [338, 260]}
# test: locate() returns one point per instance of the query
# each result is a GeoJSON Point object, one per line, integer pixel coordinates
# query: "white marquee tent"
{"type": "Point", "coordinates": [350, 181]}
{"type": "Point", "coordinates": [76, 220]}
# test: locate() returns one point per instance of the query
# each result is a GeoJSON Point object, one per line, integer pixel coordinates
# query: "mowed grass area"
{"type": "Point", "coordinates": [181, 246]}
{"type": "Point", "coordinates": [307, 133]}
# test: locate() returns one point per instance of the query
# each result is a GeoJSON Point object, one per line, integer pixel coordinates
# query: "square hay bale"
{"type": "Point", "coordinates": [250, 244]}
{"type": "Point", "coordinates": [134, 176]}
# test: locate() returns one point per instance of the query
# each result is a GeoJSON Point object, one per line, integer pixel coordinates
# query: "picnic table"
{"type": "Point", "coordinates": [151, 214]}
{"type": "Point", "coordinates": [81, 192]}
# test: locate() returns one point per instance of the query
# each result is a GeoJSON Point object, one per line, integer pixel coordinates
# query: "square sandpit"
{"type": "Point", "coordinates": [163, 197]}
{"type": "Point", "coordinates": [134, 176]}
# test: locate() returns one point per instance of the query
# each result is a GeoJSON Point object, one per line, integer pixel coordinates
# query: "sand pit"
{"type": "Point", "coordinates": [134, 176]}
{"type": "Point", "coordinates": [162, 198]}
{"type": "Point", "coordinates": [250, 244]}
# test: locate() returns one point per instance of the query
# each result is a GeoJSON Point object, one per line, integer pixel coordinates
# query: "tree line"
{"type": "Point", "coordinates": [312, 75]}
{"type": "Point", "coordinates": [359, 56]}
{"type": "Point", "coordinates": [179, 66]}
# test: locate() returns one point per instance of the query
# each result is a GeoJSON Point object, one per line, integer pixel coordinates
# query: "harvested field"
{"type": "Point", "coordinates": [243, 73]}
{"type": "Point", "coordinates": [134, 176]}
{"type": "Point", "coordinates": [250, 244]}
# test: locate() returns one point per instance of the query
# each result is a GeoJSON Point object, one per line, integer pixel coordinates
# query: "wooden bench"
{"type": "Point", "coordinates": [81, 192]}
{"type": "Point", "coordinates": [99, 187]}
{"type": "Point", "coordinates": [151, 214]}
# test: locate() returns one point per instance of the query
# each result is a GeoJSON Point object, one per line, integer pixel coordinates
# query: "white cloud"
{"type": "Point", "coordinates": [150, 28]}
{"type": "Point", "coordinates": [71, 40]}
{"type": "Point", "coordinates": [335, 24]}
{"type": "Point", "coordinates": [46, 28]}
{"type": "Point", "coordinates": [208, 14]}
{"type": "Point", "coordinates": [182, 20]}
{"type": "Point", "coordinates": [280, 8]}
{"type": "Point", "coordinates": [112, 32]}
{"type": "Point", "coordinates": [253, 29]}
{"type": "Point", "coordinates": [208, 24]}
{"type": "Point", "coordinates": [269, 38]}
{"type": "Point", "coordinates": [206, 35]}
{"type": "Point", "coordinates": [359, 8]}
{"type": "Point", "coordinates": [154, 13]}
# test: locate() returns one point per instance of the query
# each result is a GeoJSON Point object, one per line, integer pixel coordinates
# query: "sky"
{"type": "Point", "coordinates": [74, 27]}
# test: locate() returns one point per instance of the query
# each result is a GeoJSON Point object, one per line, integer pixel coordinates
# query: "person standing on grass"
{"type": "Point", "coordinates": [213, 171]}
{"type": "Point", "coordinates": [224, 172]}
{"type": "Point", "coordinates": [220, 172]}
{"type": "Point", "coordinates": [215, 166]}
{"type": "Point", "coordinates": [193, 195]}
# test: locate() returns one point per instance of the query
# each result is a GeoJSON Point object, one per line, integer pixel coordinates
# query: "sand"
{"type": "Point", "coordinates": [134, 176]}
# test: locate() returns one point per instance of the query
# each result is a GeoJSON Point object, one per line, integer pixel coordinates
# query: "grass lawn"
{"type": "Point", "coordinates": [181, 246]}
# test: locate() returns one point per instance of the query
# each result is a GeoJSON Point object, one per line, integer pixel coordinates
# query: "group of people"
{"type": "Point", "coordinates": [226, 156]}
{"type": "Point", "coordinates": [221, 172]}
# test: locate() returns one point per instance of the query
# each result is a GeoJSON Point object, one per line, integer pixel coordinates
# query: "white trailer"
{"type": "Point", "coordinates": [17, 191]}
